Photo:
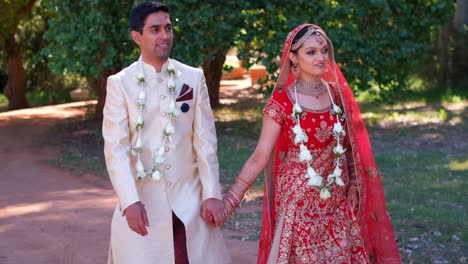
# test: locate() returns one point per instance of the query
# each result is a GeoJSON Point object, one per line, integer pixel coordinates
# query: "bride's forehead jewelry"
{"type": "Point", "coordinates": [311, 32]}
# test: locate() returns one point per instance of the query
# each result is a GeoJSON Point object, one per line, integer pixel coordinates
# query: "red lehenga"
{"type": "Point", "coordinates": [298, 226]}
{"type": "Point", "coordinates": [312, 230]}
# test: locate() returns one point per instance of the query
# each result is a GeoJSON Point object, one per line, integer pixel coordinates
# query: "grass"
{"type": "Point", "coordinates": [426, 199]}
{"type": "Point", "coordinates": [419, 145]}
{"type": "Point", "coordinates": [3, 102]}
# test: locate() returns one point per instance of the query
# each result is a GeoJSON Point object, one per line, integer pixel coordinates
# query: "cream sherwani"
{"type": "Point", "coordinates": [190, 171]}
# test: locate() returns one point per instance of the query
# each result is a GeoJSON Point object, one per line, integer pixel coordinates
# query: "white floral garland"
{"type": "Point", "coordinates": [304, 155]}
{"type": "Point", "coordinates": [159, 153]}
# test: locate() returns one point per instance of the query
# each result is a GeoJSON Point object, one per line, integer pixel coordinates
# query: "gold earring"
{"type": "Point", "coordinates": [296, 70]}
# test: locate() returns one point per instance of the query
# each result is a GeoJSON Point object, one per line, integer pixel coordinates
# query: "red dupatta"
{"type": "Point", "coordinates": [376, 228]}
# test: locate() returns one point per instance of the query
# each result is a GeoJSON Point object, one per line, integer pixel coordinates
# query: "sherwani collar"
{"type": "Point", "coordinates": [149, 71]}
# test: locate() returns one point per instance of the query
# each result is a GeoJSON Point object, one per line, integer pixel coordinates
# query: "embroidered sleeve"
{"type": "Point", "coordinates": [274, 110]}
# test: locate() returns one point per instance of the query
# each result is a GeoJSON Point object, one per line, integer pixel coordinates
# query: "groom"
{"type": "Point", "coordinates": [160, 150]}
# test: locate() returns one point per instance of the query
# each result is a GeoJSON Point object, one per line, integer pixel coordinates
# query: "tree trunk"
{"type": "Point", "coordinates": [460, 52]}
{"type": "Point", "coordinates": [461, 15]}
{"type": "Point", "coordinates": [213, 70]}
{"type": "Point", "coordinates": [443, 58]}
{"type": "Point", "coordinates": [99, 86]}
{"type": "Point", "coordinates": [16, 86]}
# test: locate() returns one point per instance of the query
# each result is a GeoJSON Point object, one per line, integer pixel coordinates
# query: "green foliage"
{"type": "Point", "coordinates": [3, 102]}
{"type": "Point", "coordinates": [376, 42]}
{"type": "Point", "coordinates": [202, 28]}
{"type": "Point", "coordinates": [31, 29]}
{"type": "Point", "coordinates": [10, 13]}
{"type": "Point", "coordinates": [88, 36]}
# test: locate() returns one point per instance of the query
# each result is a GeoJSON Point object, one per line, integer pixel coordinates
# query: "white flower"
{"type": "Point", "coordinates": [315, 181]}
{"type": "Point", "coordinates": [337, 110]}
{"type": "Point", "coordinates": [297, 109]}
{"type": "Point", "coordinates": [141, 98]}
{"type": "Point", "coordinates": [159, 157]}
{"type": "Point", "coordinates": [173, 111]}
{"type": "Point", "coordinates": [337, 171]}
{"type": "Point", "coordinates": [141, 175]}
{"type": "Point", "coordinates": [305, 153]}
{"type": "Point", "coordinates": [172, 106]}
{"type": "Point", "coordinates": [311, 173]}
{"type": "Point", "coordinates": [172, 71]}
{"type": "Point", "coordinates": [339, 181]}
{"type": "Point", "coordinates": [324, 193]}
{"type": "Point", "coordinates": [338, 150]}
{"type": "Point", "coordinates": [139, 166]}
{"type": "Point", "coordinates": [139, 144]}
{"type": "Point", "coordinates": [300, 135]}
{"type": "Point", "coordinates": [300, 138]}
{"type": "Point", "coordinates": [171, 82]}
{"type": "Point", "coordinates": [140, 170]}
{"type": "Point", "coordinates": [169, 130]}
{"type": "Point", "coordinates": [338, 129]}
{"type": "Point", "coordinates": [139, 122]}
{"type": "Point", "coordinates": [161, 151]}
{"type": "Point", "coordinates": [297, 129]}
{"type": "Point", "coordinates": [156, 175]}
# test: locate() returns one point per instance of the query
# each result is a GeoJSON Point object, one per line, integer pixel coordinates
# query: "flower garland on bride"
{"type": "Point", "coordinates": [315, 179]}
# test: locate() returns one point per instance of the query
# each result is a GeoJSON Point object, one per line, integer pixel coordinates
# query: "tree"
{"type": "Point", "coordinates": [376, 42]}
{"type": "Point", "coordinates": [204, 32]}
{"type": "Point", "coordinates": [90, 38]}
{"type": "Point", "coordinates": [11, 14]}
{"type": "Point", "coordinates": [452, 48]}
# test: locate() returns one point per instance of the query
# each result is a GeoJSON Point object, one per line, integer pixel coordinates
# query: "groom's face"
{"type": "Point", "coordinates": [156, 40]}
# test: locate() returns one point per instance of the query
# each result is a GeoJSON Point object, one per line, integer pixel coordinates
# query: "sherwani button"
{"type": "Point", "coordinates": [163, 97]}
{"type": "Point", "coordinates": [168, 184]}
{"type": "Point", "coordinates": [160, 80]}
{"type": "Point", "coordinates": [166, 149]}
{"type": "Point", "coordinates": [167, 166]}
{"type": "Point", "coordinates": [163, 113]}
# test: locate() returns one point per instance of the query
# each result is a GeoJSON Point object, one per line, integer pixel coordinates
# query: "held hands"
{"type": "Point", "coordinates": [136, 218]}
{"type": "Point", "coordinates": [216, 212]}
{"type": "Point", "coordinates": [213, 212]}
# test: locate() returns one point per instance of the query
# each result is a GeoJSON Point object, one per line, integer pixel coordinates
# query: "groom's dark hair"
{"type": "Point", "coordinates": [140, 12]}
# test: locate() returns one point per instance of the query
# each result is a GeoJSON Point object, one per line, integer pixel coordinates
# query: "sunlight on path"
{"type": "Point", "coordinates": [49, 215]}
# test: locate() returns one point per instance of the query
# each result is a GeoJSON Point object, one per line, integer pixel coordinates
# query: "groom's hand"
{"type": "Point", "coordinates": [213, 212]}
{"type": "Point", "coordinates": [137, 219]}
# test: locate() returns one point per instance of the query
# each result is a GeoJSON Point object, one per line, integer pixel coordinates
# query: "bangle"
{"type": "Point", "coordinates": [235, 195]}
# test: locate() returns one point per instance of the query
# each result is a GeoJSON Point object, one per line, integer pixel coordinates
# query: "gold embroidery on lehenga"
{"type": "Point", "coordinates": [323, 134]}
{"type": "Point", "coordinates": [313, 230]}
{"type": "Point", "coordinates": [371, 171]}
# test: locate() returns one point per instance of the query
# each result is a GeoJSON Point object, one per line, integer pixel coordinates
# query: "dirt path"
{"type": "Point", "coordinates": [48, 215]}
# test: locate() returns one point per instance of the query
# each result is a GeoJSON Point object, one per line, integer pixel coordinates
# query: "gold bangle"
{"type": "Point", "coordinates": [246, 186]}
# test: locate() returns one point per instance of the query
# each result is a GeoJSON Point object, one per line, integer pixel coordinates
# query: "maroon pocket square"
{"type": "Point", "coordinates": [186, 93]}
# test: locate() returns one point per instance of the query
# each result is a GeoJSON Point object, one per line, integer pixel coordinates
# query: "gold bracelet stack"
{"type": "Point", "coordinates": [234, 197]}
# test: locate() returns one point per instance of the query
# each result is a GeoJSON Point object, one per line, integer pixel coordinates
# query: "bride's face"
{"type": "Point", "coordinates": [311, 57]}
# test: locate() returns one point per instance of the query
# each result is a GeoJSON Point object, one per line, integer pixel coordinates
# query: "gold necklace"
{"type": "Point", "coordinates": [312, 88]}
